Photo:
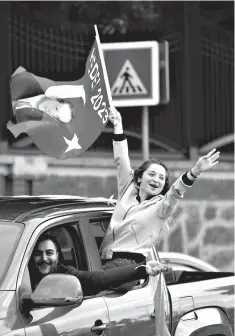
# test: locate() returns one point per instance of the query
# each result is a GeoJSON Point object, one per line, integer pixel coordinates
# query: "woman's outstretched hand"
{"type": "Point", "coordinates": [207, 162]}
{"type": "Point", "coordinates": [154, 267]}
{"type": "Point", "coordinates": [116, 119]}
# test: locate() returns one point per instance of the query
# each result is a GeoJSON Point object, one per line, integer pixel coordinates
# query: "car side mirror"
{"type": "Point", "coordinates": [54, 290]}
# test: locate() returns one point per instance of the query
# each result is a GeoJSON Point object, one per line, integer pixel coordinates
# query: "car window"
{"type": "Point", "coordinates": [179, 267]}
{"type": "Point", "coordinates": [9, 237]}
{"type": "Point", "coordinates": [67, 237]}
{"type": "Point", "coordinates": [99, 227]}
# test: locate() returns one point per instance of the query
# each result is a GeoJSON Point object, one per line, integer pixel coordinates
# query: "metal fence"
{"type": "Point", "coordinates": [56, 51]}
{"type": "Point", "coordinates": [217, 50]}
{"type": "Point", "coordinates": [49, 50]}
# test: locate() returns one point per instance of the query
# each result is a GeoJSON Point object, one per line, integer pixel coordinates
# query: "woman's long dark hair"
{"type": "Point", "coordinates": [138, 173]}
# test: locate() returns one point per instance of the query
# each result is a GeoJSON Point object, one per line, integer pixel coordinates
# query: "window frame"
{"type": "Point", "coordinates": [93, 259]}
{"type": "Point", "coordinates": [105, 214]}
{"type": "Point", "coordinates": [72, 237]}
{"type": "Point", "coordinates": [47, 225]}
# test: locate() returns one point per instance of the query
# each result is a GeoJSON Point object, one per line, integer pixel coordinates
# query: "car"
{"type": "Point", "coordinates": [184, 262]}
{"type": "Point", "coordinates": [197, 303]}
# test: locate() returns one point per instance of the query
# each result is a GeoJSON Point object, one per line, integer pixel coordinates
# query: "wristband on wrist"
{"type": "Point", "coordinates": [192, 174]}
{"type": "Point", "coordinates": [119, 137]}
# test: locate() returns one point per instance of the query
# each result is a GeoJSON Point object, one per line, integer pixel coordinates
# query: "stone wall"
{"type": "Point", "coordinates": [203, 229]}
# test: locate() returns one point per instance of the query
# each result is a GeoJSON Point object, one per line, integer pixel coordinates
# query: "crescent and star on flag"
{"type": "Point", "coordinates": [73, 144]}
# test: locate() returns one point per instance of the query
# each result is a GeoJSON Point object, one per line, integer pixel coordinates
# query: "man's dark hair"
{"type": "Point", "coordinates": [48, 236]}
{"type": "Point", "coordinates": [138, 173]}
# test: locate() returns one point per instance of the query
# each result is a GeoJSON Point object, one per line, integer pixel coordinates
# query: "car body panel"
{"type": "Point", "coordinates": [207, 293]}
{"type": "Point", "coordinates": [10, 321]}
{"type": "Point", "coordinates": [69, 321]}
{"type": "Point", "coordinates": [131, 313]}
{"type": "Point", "coordinates": [197, 324]}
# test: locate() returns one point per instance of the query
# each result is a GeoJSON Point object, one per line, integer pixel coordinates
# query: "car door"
{"type": "Point", "coordinates": [71, 320]}
{"type": "Point", "coordinates": [133, 312]}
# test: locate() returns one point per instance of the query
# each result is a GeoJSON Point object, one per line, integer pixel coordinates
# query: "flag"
{"type": "Point", "coordinates": [159, 307]}
{"type": "Point", "coordinates": [63, 119]}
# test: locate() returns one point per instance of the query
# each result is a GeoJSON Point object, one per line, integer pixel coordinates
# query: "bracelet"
{"type": "Point", "coordinates": [192, 174]}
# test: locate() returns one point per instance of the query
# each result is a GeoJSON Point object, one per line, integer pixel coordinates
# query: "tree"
{"type": "Point", "coordinates": [110, 16]}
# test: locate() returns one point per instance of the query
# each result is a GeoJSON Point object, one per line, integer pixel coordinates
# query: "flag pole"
{"type": "Point", "coordinates": [103, 65]}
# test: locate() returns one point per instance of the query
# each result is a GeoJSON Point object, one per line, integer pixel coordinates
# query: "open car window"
{"type": "Point", "coordinates": [67, 237]}
{"type": "Point", "coordinates": [99, 227]}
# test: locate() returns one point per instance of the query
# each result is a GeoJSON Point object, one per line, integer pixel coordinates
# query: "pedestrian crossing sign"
{"type": "Point", "coordinates": [128, 82]}
{"type": "Point", "coordinates": [133, 72]}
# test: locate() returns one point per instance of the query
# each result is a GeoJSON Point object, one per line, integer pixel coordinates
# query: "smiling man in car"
{"type": "Point", "coordinates": [46, 260]}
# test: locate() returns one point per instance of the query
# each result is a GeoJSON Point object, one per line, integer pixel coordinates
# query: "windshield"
{"type": "Point", "coordinates": [9, 236]}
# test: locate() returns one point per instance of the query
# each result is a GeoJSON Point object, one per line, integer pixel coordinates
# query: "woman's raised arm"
{"type": "Point", "coordinates": [185, 181]}
{"type": "Point", "coordinates": [120, 151]}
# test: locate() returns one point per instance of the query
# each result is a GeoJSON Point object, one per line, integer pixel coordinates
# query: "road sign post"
{"type": "Point", "coordinates": [134, 77]}
{"type": "Point", "coordinates": [145, 133]}
{"type": "Point", "coordinates": [164, 85]}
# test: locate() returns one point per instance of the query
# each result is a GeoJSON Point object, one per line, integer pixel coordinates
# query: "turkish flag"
{"type": "Point", "coordinates": [63, 119]}
{"type": "Point", "coordinates": [159, 308]}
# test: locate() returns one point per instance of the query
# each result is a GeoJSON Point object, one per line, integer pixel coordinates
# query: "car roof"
{"type": "Point", "coordinates": [23, 208]}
